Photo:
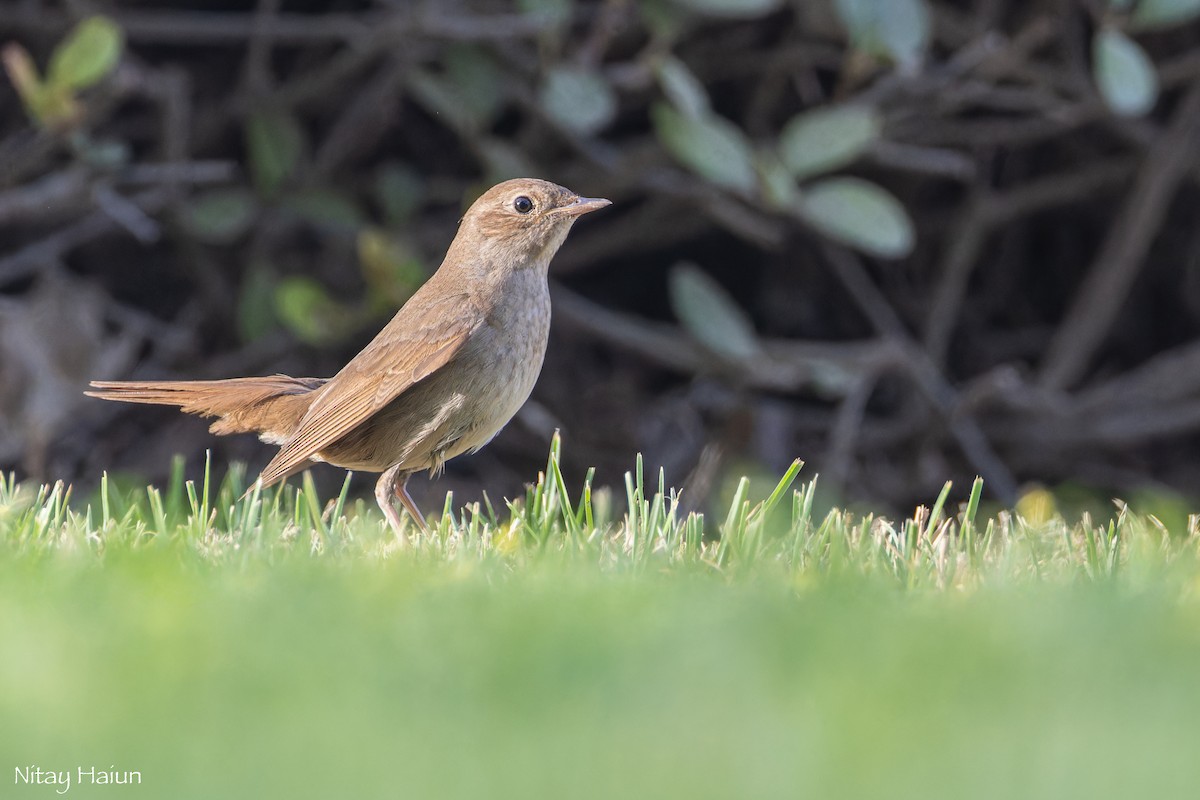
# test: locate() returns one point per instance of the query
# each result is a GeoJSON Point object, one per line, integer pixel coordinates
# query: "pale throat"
{"type": "Point", "coordinates": [500, 254]}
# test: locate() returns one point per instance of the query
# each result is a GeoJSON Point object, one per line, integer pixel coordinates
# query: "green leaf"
{"type": "Point", "coordinates": [663, 19]}
{"type": "Point", "coordinates": [468, 94]}
{"type": "Point", "coordinates": [710, 146]}
{"type": "Point", "coordinates": [276, 144]}
{"type": "Point", "coordinates": [578, 99]}
{"type": "Point", "coordinates": [90, 51]}
{"type": "Point", "coordinates": [860, 214]}
{"type": "Point", "coordinates": [732, 9]}
{"type": "Point", "coordinates": [1152, 14]}
{"type": "Point", "coordinates": [1124, 73]}
{"type": "Point", "coordinates": [439, 99]}
{"type": "Point", "coordinates": [220, 216]}
{"type": "Point", "coordinates": [554, 12]}
{"type": "Point", "coordinates": [103, 154]}
{"type": "Point", "coordinates": [823, 140]}
{"type": "Point", "coordinates": [49, 105]}
{"type": "Point", "coordinates": [256, 302]}
{"type": "Point", "coordinates": [779, 189]}
{"type": "Point", "coordinates": [503, 161]}
{"type": "Point", "coordinates": [55, 107]}
{"type": "Point", "coordinates": [307, 310]}
{"type": "Point", "coordinates": [899, 30]}
{"type": "Point", "coordinates": [399, 191]}
{"type": "Point", "coordinates": [324, 207]}
{"type": "Point", "coordinates": [682, 87]}
{"type": "Point", "coordinates": [475, 81]}
{"type": "Point", "coordinates": [710, 315]}
{"type": "Point", "coordinates": [390, 265]}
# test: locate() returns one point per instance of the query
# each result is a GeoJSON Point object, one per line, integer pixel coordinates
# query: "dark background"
{"type": "Point", "coordinates": [257, 187]}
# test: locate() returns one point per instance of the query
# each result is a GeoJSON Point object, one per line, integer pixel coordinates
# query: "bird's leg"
{"type": "Point", "coordinates": [407, 501]}
{"type": "Point", "coordinates": [392, 482]}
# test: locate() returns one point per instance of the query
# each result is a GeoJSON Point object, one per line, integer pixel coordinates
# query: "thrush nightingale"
{"type": "Point", "coordinates": [442, 378]}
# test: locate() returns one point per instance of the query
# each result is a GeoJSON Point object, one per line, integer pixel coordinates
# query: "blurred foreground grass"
{"type": "Point", "coordinates": [277, 647]}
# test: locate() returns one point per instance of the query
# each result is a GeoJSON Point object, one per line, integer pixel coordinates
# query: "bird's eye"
{"type": "Point", "coordinates": [523, 205]}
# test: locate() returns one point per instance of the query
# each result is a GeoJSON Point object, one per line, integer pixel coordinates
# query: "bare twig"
{"type": "Point", "coordinates": [44, 197]}
{"type": "Point", "coordinates": [965, 245]}
{"type": "Point", "coordinates": [934, 161]}
{"type": "Point", "coordinates": [846, 428]}
{"type": "Point", "coordinates": [181, 172]}
{"type": "Point", "coordinates": [937, 390]}
{"type": "Point", "coordinates": [1173, 376]}
{"type": "Point", "coordinates": [53, 247]}
{"type": "Point", "coordinates": [128, 215]}
{"type": "Point", "coordinates": [785, 366]}
{"type": "Point", "coordinates": [364, 119]}
{"type": "Point", "coordinates": [1095, 306]}
{"type": "Point", "coordinates": [257, 80]}
{"type": "Point", "coordinates": [730, 213]}
{"type": "Point", "coordinates": [195, 28]}
{"type": "Point", "coordinates": [1056, 189]}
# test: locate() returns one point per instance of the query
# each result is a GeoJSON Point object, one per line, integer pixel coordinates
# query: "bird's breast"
{"type": "Point", "coordinates": [504, 356]}
{"type": "Point", "coordinates": [518, 327]}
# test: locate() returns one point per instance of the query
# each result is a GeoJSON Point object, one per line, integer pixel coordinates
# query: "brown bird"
{"type": "Point", "coordinates": [442, 378]}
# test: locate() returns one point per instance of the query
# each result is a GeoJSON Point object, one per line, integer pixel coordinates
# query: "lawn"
{"type": "Point", "coordinates": [282, 646]}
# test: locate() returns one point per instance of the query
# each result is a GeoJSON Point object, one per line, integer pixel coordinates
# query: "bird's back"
{"type": "Point", "coordinates": [463, 404]}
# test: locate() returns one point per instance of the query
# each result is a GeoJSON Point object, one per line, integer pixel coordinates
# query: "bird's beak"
{"type": "Point", "coordinates": [583, 205]}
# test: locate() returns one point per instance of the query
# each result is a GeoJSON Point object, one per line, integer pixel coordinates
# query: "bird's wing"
{"type": "Point", "coordinates": [414, 345]}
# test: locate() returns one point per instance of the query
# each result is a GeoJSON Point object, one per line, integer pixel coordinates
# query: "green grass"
{"type": "Point", "coordinates": [283, 646]}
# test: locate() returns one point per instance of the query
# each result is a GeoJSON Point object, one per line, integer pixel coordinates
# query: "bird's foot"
{"type": "Point", "coordinates": [394, 482]}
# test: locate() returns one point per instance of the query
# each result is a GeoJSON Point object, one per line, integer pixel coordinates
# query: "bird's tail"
{"type": "Point", "coordinates": [272, 406]}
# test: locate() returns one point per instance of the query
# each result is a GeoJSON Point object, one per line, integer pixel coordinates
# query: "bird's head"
{"type": "Point", "coordinates": [523, 221]}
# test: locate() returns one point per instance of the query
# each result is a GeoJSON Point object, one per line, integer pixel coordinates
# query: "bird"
{"type": "Point", "coordinates": [452, 367]}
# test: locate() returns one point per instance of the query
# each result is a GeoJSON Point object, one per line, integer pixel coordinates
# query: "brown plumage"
{"type": "Point", "coordinates": [269, 406]}
{"type": "Point", "coordinates": [442, 378]}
